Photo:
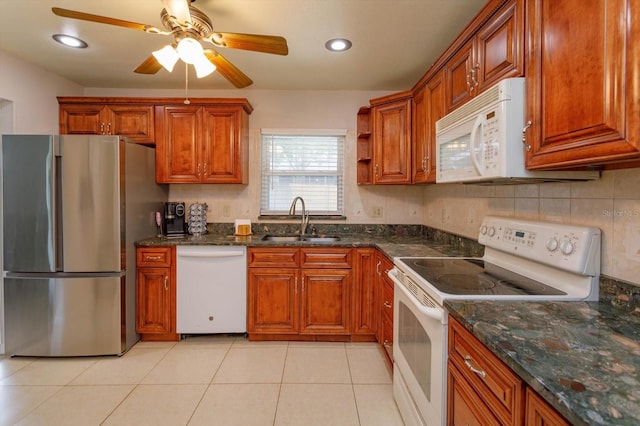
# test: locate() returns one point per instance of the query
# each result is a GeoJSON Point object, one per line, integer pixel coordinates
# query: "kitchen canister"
{"type": "Point", "coordinates": [197, 219]}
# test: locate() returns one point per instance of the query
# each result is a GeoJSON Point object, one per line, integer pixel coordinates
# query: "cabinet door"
{"type": "Point", "coordinates": [539, 413]}
{"type": "Point", "coordinates": [583, 80]}
{"type": "Point", "coordinates": [154, 301]}
{"type": "Point", "coordinates": [178, 148]}
{"type": "Point", "coordinates": [324, 302]}
{"type": "Point", "coordinates": [500, 46]}
{"type": "Point", "coordinates": [460, 83]}
{"type": "Point", "coordinates": [419, 137]}
{"type": "Point", "coordinates": [464, 405]}
{"type": "Point", "coordinates": [222, 148]}
{"type": "Point", "coordinates": [437, 109]}
{"type": "Point", "coordinates": [81, 119]}
{"type": "Point", "coordinates": [273, 300]}
{"type": "Point", "coordinates": [135, 122]}
{"type": "Point", "coordinates": [392, 142]}
{"type": "Point", "coordinates": [365, 301]}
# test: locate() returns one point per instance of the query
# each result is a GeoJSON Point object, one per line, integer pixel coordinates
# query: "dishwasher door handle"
{"type": "Point", "coordinates": [212, 254]}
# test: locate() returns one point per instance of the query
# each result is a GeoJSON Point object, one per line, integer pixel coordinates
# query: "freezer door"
{"type": "Point", "coordinates": [90, 208]}
{"type": "Point", "coordinates": [62, 316]}
{"type": "Point", "coordinates": [28, 182]}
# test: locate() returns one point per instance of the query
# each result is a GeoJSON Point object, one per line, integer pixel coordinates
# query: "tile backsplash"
{"type": "Point", "coordinates": [611, 203]}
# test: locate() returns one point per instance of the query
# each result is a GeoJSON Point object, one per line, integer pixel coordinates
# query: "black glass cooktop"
{"type": "Point", "coordinates": [473, 276]}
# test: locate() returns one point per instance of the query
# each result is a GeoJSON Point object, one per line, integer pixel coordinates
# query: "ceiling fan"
{"type": "Point", "coordinates": [189, 26]}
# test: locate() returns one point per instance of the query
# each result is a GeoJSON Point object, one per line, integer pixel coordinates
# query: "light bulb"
{"type": "Point", "coordinates": [203, 67]}
{"type": "Point", "coordinates": [190, 50]}
{"type": "Point", "coordinates": [167, 57]}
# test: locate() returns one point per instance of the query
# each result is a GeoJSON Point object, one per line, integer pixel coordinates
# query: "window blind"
{"type": "Point", "coordinates": [306, 164]}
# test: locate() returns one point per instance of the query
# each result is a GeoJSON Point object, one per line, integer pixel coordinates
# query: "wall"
{"type": "Point", "coordinates": [298, 110]}
{"type": "Point", "coordinates": [611, 203]}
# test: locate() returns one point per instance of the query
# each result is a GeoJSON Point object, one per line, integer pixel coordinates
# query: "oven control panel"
{"type": "Point", "coordinates": [569, 247]}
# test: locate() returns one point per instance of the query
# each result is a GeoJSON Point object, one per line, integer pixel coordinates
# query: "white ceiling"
{"type": "Point", "coordinates": [394, 41]}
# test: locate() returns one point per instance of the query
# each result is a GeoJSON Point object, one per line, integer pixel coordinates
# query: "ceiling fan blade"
{"type": "Point", "coordinates": [255, 42]}
{"type": "Point", "coordinates": [179, 9]}
{"type": "Point", "coordinates": [66, 13]}
{"type": "Point", "coordinates": [228, 70]}
{"type": "Point", "coordinates": [149, 66]}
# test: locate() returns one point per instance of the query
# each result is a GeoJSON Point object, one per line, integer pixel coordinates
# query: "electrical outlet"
{"type": "Point", "coordinates": [226, 210]}
{"type": "Point", "coordinates": [376, 211]}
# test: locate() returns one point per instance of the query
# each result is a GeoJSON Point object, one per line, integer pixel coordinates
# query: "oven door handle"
{"type": "Point", "coordinates": [433, 313]}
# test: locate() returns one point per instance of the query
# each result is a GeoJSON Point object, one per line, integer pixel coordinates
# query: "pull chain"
{"type": "Point", "coordinates": [186, 84]}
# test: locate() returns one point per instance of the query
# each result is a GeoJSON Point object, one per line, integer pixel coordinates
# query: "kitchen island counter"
{"type": "Point", "coordinates": [581, 357]}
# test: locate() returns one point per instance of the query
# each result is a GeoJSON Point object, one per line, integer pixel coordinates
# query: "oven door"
{"type": "Point", "coordinates": [419, 334]}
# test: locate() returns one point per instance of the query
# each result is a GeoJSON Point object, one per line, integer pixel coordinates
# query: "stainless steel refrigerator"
{"type": "Point", "coordinates": [72, 208]}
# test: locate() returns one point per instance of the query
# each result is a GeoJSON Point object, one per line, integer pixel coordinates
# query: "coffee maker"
{"type": "Point", "coordinates": [174, 221]}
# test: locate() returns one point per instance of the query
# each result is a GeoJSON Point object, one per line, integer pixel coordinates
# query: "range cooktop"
{"type": "Point", "coordinates": [470, 276]}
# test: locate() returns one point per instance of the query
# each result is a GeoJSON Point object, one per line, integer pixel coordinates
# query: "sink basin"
{"type": "Point", "coordinates": [304, 238]}
{"type": "Point", "coordinates": [281, 238]}
{"type": "Point", "coordinates": [321, 238]}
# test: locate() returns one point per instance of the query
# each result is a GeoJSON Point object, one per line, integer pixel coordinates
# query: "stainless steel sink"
{"type": "Point", "coordinates": [304, 238]}
{"type": "Point", "coordinates": [281, 238]}
{"type": "Point", "coordinates": [321, 238]}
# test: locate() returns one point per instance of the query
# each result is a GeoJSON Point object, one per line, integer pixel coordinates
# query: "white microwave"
{"type": "Point", "coordinates": [481, 142]}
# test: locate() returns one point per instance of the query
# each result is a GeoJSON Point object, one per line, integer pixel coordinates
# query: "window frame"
{"type": "Point", "coordinates": [340, 174]}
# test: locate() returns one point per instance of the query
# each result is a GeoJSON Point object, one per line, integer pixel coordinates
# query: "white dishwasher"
{"type": "Point", "coordinates": [211, 287]}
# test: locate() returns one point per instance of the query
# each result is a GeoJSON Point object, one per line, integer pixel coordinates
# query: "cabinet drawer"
{"type": "Point", "coordinates": [494, 381]}
{"type": "Point", "coordinates": [326, 258]}
{"type": "Point", "coordinates": [153, 256]}
{"type": "Point", "coordinates": [274, 257]}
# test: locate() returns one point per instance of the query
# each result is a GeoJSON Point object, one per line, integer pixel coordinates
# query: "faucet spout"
{"type": "Point", "coordinates": [304, 216]}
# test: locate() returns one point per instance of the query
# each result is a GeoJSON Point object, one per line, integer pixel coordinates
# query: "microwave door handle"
{"type": "Point", "coordinates": [474, 131]}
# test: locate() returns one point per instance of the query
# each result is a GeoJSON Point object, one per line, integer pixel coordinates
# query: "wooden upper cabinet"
{"type": "Point", "coordinates": [85, 116]}
{"type": "Point", "coordinates": [495, 51]}
{"type": "Point", "coordinates": [225, 152]}
{"type": "Point", "coordinates": [392, 139]}
{"type": "Point", "coordinates": [428, 106]}
{"type": "Point", "coordinates": [179, 153]}
{"type": "Point", "coordinates": [202, 144]}
{"type": "Point", "coordinates": [583, 81]}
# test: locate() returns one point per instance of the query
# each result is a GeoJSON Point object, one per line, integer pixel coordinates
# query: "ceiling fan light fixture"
{"type": "Point", "coordinates": [190, 50]}
{"type": "Point", "coordinates": [338, 44]}
{"type": "Point", "coordinates": [70, 41]}
{"type": "Point", "coordinates": [167, 57]}
{"type": "Point", "coordinates": [204, 67]}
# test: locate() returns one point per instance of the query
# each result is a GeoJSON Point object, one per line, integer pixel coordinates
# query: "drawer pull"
{"type": "Point", "coordinates": [147, 257]}
{"type": "Point", "coordinates": [467, 361]}
{"type": "Point", "coordinates": [387, 304]}
{"type": "Point", "coordinates": [166, 283]}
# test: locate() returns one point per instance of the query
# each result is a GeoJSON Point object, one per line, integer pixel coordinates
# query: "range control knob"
{"type": "Point", "coordinates": [552, 244]}
{"type": "Point", "coordinates": [492, 231]}
{"type": "Point", "coordinates": [483, 229]}
{"type": "Point", "coordinates": [567, 247]}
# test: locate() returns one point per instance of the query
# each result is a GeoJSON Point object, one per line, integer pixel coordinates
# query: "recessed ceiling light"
{"type": "Point", "coordinates": [70, 41]}
{"type": "Point", "coordinates": [338, 44]}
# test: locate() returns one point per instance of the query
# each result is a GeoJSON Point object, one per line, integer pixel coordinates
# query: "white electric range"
{"type": "Point", "coordinates": [523, 260]}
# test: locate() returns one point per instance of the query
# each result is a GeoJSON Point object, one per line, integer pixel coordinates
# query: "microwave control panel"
{"type": "Point", "coordinates": [490, 146]}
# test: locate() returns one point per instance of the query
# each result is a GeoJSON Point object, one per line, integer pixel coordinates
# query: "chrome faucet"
{"type": "Point", "coordinates": [304, 217]}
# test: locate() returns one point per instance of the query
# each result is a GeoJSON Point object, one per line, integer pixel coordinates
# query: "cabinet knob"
{"type": "Point", "coordinates": [102, 128]}
{"type": "Point", "coordinates": [387, 304]}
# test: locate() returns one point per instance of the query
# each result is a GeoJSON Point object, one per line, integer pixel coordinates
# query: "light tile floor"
{"type": "Point", "coordinates": [204, 381]}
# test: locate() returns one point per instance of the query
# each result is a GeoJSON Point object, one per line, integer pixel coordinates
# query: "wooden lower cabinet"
{"type": "Point", "coordinates": [365, 303]}
{"type": "Point", "coordinates": [309, 301]}
{"type": "Point", "coordinates": [482, 390]}
{"type": "Point", "coordinates": [156, 293]}
{"type": "Point", "coordinates": [385, 289]}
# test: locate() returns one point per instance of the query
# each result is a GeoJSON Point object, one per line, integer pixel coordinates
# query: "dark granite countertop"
{"type": "Point", "coordinates": [582, 357]}
{"type": "Point", "coordinates": [391, 245]}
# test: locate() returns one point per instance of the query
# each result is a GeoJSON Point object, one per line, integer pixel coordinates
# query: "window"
{"type": "Point", "coordinates": [302, 163]}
